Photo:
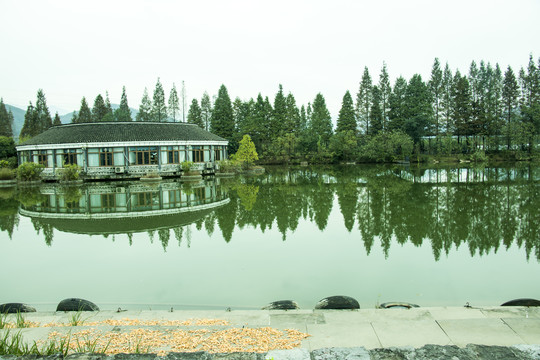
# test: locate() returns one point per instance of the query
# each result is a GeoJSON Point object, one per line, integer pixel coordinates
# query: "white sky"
{"type": "Point", "coordinates": [72, 49]}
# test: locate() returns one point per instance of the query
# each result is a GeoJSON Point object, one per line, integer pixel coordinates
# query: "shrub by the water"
{"type": "Point", "coordinates": [70, 172]}
{"type": "Point", "coordinates": [29, 171]}
{"type": "Point", "coordinates": [6, 174]}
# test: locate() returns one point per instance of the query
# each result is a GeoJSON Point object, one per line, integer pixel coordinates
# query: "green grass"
{"type": "Point", "coordinates": [21, 321]}
{"type": "Point", "coordinates": [76, 319]}
{"type": "Point", "coordinates": [13, 344]}
{"type": "Point", "coordinates": [3, 320]}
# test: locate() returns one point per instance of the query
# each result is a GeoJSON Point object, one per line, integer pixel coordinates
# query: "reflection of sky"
{"type": "Point", "coordinates": [253, 269]}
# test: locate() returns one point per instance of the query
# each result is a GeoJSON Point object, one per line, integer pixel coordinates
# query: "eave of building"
{"type": "Point", "coordinates": [120, 144]}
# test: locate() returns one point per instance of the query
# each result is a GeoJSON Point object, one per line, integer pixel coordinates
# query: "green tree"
{"type": "Point", "coordinates": [123, 113]}
{"type": "Point", "coordinates": [159, 109]}
{"type": "Point", "coordinates": [436, 89]}
{"type": "Point", "coordinates": [7, 148]}
{"type": "Point", "coordinates": [246, 154]}
{"type": "Point", "coordinates": [510, 95]}
{"type": "Point", "coordinates": [30, 125]}
{"type": "Point", "coordinates": [346, 120]}
{"type": "Point", "coordinates": [85, 115]}
{"type": "Point", "coordinates": [174, 104]}
{"type": "Point", "coordinates": [363, 102]}
{"type": "Point", "coordinates": [293, 121]}
{"type": "Point", "coordinates": [6, 120]}
{"type": "Point", "coordinates": [375, 112]}
{"type": "Point", "coordinates": [56, 121]}
{"type": "Point", "coordinates": [194, 114]}
{"type": "Point", "coordinates": [145, 108]}
{"type": "Point", "coordinates": [398, 105]}
{"type": "Point", "coordinates": [385, 91]}
{"type": "Point", "coordinates": [222, 116]}
{"type": "Point", "coordinates": [44, 120]}
{"type": "Point", "coordinates": [206, 110]}
{"type": "Point", "coordinates": [419, 108]}
{"type": "Point", "coordinates": [447, 100]}
{"type": "Point", "coordinates": [279, 116]}
{"type": "Point", "coordinates": [99, 110]}
{"type": "Point", "coordinates": [321, 121]}
{"type": "Point", "coordinates": [109, 116]}
{"type": "Point", "coordinates": [462, 109]}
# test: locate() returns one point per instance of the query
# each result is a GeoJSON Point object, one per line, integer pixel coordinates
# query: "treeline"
{"type": "Point", "coordinates": [487, 110]}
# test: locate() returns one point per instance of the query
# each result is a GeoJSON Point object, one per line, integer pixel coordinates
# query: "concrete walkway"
{"type": "Point", "coordinates": [365, 328]}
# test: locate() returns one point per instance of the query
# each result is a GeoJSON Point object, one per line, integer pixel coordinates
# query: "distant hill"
{"type": "Point", "coordinates": [18, 117]}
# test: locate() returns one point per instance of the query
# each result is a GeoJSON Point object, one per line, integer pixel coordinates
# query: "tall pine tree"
{"type": "Point", "coordinates": [145, 108]}
{"type": "Point", "coordinates": [6, 120]}
{"type": "Point", "coordinates": [346, 120]}
{"type": "Point", "coordinates": [123, 113]}
{"type": "Point", "coordinates": [321, 121]}
{"type": "Point", "coordinates": [206, 110]}
{"type": "Point", "coordinates": [174, 104]}
{"type": "Point", "coordinates": [363, 102]}
{"type": "Point", "coordinates": [159, 109]}
{"type": "Point", "coordinates": [85, 115]}
{"type": "Point", "coordinates": [99, 110]}
{"type": "Point", "coordinates": [222, 116]}
{"type": "Point", "coordinates": [194, 114]}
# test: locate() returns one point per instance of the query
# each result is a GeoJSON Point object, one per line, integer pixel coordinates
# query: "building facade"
{"type": "Point", "coordinates": [124, 149]}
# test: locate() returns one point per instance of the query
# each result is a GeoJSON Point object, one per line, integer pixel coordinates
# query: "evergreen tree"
{"type": "Point", "coordinates": [30, 125]}
{"type": "Point", "coordinates": [174, 104]}
{"type": "Point", "coordinates": [222, 116]}
{"type": "Point", "coordinates": [85, 115]}
{"type": "Point", "coordinates": [194, 114]}
{"type": "Point", "coordinates": [419, 108]}
{"type": "Point", "coordinates": [436, 89]}
{"type": "Point", "coordinates": [363, 102]}
{"type": "Point", "coordinates": [159, 110]}
{"type": "Point", "coordinates": [530, 99]}
{"type": "Point", "coordinates": [510, 95]}
{"type": "Point", "coordinates": [145, 108]}
{"type": "Point", "coordinates": [74, 118]}
{"type": "Point", "coordinates": [56, 121]}
{"type": "Point", "coordinates": [293, 123]}
{"type": "Point", "coordinates": [375, 112]}
{"type": "Point", "coordinates": [99, 110]}
{"type": "Point", "coordinates": [462, 108]}
{"type": "Point", "coordinates": [123, 113]}
{"type": "Point", "coordinates": [321, 121]}
{"type": "Point", "coordinates": [6, 120]}
{"type": "Point", "coordinates": [385, 91]}
{"type": "Point", "coordinates": [447, 100]}
{"type": "Point", "coordinates": [206, 110]}
{"type": "Point", "coordinates": [110, 114]}
{"type": "Point", "coordinates": [279, 115]}
{"type": "Point", "coordinates": [398, 105]}
{"type": "Point", "coordinates": [44, 120]}
{"type": "Point", "coordinates": [346, 120]}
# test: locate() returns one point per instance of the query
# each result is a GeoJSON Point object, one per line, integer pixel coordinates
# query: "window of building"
{"type": "Point", "coordinates": [143, 155]}
{"type": "Point", "coordinates": [42, 158]}
{"type": "Point", "coordinates": [105, 157]}
{"type": "Point", "coordinates": [197, 154]}
{"type": "Point", "coordinates": [217, 153]}
{"type": "Point", "coordinates": [69, 157]}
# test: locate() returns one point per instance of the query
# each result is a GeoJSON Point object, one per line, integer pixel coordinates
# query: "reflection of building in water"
{"type": "Point", "coordinates": [125, 208]}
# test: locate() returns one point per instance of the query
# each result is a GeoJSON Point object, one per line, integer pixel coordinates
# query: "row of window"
{"type": "Point", "coordinates": [115, 156]}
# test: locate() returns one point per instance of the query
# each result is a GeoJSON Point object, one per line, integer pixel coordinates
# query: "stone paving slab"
{"type": "Point", "coordinates": [526, 329]}
{"type": "Point", "coordinates": [489, 331]}
{"type": "Point", "coordinates": [330, 335]}
{"type": "Point", "coordinates": [410, 333]}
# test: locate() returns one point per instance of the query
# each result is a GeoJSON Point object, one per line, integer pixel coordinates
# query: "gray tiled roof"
{"type": "Point", "coordinates": [120, 132]}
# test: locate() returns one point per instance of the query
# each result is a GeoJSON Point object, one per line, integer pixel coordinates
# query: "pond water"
{"type": "Point", "coordinates": [430, 236]}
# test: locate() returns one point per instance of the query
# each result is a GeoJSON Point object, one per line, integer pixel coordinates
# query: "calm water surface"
{"type": "Point", "coordinates": [439, 236]}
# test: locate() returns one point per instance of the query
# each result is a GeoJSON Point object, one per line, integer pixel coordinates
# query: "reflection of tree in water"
{"type": "Point", "coordinates": [9, 206]}
{"type": "Point", "coordinates": [482, 208]}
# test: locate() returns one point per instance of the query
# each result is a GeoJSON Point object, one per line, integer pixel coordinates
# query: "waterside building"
{"type": "Point", "coordinates": [124, 149]}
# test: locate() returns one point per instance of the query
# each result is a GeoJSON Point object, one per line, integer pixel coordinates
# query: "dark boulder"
{"type": "Point", "coordinates": [397, 305]}
{"type": "Point", "coordinates": [12, 308]}
{"type": "Point", "coordinates": [337, 303]}
{"type": "Point", "coordinates": [282, 305]}
{"type": "Point", "coordinates": [75, 304]}
{"type": "Point", "coordinates": [522, 302]}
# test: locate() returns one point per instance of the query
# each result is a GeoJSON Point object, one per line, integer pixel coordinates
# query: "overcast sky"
{"type": "Point", "coordinates": [72, 49]}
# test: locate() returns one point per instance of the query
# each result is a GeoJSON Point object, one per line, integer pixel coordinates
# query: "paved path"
{"type": "Point", "coordinates": [366, 329]}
